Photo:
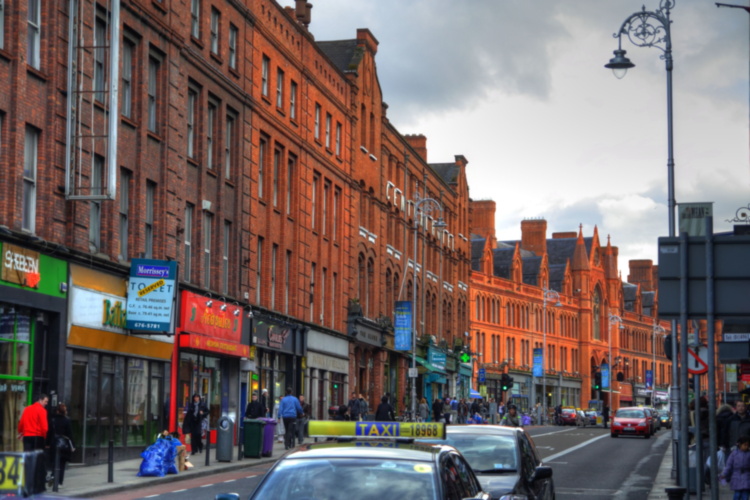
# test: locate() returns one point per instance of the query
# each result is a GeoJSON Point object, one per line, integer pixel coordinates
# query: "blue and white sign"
{"type": "Point", "coordinates": [649, 379]}
{"type": "Point", "coordinates": [605, 376]}
{"type": "Point", "coordinates": [482, 375]}
{"type": "Point", "coordinates": [437, 359]}
{"type": "Point", "coordinates": [538, 371]}
{"type": "Point", "coordinates": [402, 327]}
{"type": "Point", "coordinates": [151, 292]}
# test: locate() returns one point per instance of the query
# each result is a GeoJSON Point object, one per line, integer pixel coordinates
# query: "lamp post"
{"type": "Point", "coordinates": [549, 295]}
{"type": "Point", "coordinates": [613, 318]}
{"type": "Point", "coordinates": [430, 205]}
{"type": "Point", "coordinates": [657, 329]}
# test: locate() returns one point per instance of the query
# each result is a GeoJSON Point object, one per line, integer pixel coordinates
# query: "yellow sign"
{"type": "Point", "coordinates": [153, 286]}
{"type": "Point", "coordinates": [414, 430]}
{"type": "Point", "coordinates": [11, 472]}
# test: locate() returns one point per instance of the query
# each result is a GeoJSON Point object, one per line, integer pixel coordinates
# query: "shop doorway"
{"type": "Point", "coordinates": [77, 409]}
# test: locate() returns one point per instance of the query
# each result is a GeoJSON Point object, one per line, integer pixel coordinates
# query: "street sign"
{"type": "Point", "coordinates": [697, 362]}
{"type": "Point", "coordinates": [482, 375]}
{"type": "Point", "coordinates": [736, 337]}
{"type": "Point", "coordinates": [413, 372]}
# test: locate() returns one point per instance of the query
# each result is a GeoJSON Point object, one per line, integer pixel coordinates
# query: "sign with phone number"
{"type": "Point", "coordinates": [329, 428]}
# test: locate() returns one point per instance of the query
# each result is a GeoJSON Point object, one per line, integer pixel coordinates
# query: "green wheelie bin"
{"type": "Point", "coordinates": [253, 437]}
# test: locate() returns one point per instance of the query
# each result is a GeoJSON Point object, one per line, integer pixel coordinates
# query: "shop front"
{"type": "Point", "coordinates": [116, 383]}
{"type": "Point", "coordinates": [326, 372]}
{"type": "Point", "coordinates": [463, 383]}
{"type": "Point", "coordinates": [434, 375]}
{"type": "Point", "coordinates": [279, 350]}
{"type": "Point", "coordinates": [33, 316]}
{"type": "Point", "coordinates": [368, 357]}
{"type": "Point", "coordinates": [213, 343]}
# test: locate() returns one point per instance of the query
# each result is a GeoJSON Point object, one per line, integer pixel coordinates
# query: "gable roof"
{"type": "Point", "coordinates": [344, 54]}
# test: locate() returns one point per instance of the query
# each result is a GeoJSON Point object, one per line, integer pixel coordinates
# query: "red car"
{"type": "Point", "coordinates": [568, 416]}
{"type": "Point", "coordinates": [631, 421]}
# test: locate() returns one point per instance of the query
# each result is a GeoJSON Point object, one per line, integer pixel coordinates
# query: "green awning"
{"type": "Point", "coordinates": [430, 367]}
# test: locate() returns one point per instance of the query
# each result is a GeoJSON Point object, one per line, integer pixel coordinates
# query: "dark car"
{"type": "Point", "coordinates": [665, 418]}
{"type": "Point", "coordinates": [504, 459]}
{"type": "Point", "coordinates": [367, 468]}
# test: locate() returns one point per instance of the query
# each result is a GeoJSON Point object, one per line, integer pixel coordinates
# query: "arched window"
{"type": "Point", "coordinates": [597, 314]}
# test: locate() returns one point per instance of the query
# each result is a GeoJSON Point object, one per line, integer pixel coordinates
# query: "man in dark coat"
{"type": "Point", "coordinates": [355, 408]}
{"type": "Point", "coordinates": [254, 408]}
{"type": "Point", "coordinates": [384, 413]}
{"type": "Point", "coordinates": [195, 412]}
{"type": "Point", "coordinates": [739, 424]}
{"type": "Point", "coordinates": [605, 416]}
{"type": "Point", "coordinates": [437, 410]}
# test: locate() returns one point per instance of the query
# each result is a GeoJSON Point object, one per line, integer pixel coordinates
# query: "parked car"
{"type": "Point", "coordinates": [665, 418]}
{"type": "Point", "coordinates": [504, 459]}
{"type": "Point", "coordinates": [631, 421]}
{"type": "Point", "coordinates": [655, 422]}
{"type": "Point", "coordinates": [593, 416]}
{"type": "Point", "coordinates": [568, 416]}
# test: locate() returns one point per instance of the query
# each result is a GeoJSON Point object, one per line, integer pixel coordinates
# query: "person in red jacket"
{"type": "Point", "coordinates": [34, 424]}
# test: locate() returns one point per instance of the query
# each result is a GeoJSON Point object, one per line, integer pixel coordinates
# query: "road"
{"type": "Point", "coordinates": [587, 463]}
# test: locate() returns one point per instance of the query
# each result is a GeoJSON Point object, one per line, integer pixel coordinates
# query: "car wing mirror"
{"type": "Point", "coordinates": [542, 472]}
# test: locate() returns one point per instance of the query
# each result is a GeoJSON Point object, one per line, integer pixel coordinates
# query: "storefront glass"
{"type": "Point", "coordinates": [199, 374]}
{"type": "Point", "coordinates": [16, 337]}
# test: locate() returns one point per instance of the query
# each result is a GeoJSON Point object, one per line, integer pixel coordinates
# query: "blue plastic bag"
{"type": "Point", "coordinates": [158, 459]}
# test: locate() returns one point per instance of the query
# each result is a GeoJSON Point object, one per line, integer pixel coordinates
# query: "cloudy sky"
{"type": "Point", "coordinates": [519, 88]}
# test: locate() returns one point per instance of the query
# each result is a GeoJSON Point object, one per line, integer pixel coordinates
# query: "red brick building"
{"type": "Point", "coordinates": [563, 293]}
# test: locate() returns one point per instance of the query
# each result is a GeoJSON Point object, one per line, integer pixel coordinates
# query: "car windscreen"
{"type": "Point", "coordinates": [360, 478]}
{"type": "Point", "coordinates": [630, 414]}
{"type": "Point", "coordinates": [486, 453]}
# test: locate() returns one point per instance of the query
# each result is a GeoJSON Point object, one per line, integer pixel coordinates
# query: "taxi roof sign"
{"type": "Point", "coordinates": [371, 430]}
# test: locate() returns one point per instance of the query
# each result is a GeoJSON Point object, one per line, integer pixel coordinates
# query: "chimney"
{"type": "Point", "coordinates": [418, 143]}
{"type": "Point", "coordinates": [534, 236]}
{"type": "Point", "coordinates": [302, 12]}
{"type": "Point", "coordinates": [642, 273]}
{"type": "Point", "coordinates": [482, 218]}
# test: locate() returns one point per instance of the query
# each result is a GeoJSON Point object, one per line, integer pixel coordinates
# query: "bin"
{"type": "Point", "coordinates": [224, 439]}
{"type": "Point", "coordinates": [252, 441]}
{"type": "Point", "coordinates": [269, 434]}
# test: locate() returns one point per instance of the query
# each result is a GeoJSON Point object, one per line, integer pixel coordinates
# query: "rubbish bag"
{"type": "Point", "coordinates": [158, 459]}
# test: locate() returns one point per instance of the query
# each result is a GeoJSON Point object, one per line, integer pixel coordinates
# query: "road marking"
{"type": "Point", "coordinates": [230, 480]}
{"type": "Point", "coordinates": [551, 433]}
{"type": "Point", "coordinates": [179, 491]}
{"type": "Point", "coordinates": [577, 447]}
{"type": "Point", "coordinates": [207, 485]}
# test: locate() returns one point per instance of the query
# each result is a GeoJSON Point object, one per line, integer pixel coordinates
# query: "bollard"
{"type": "Point", "coordinates": [56, 483]}
{"type": "Point", "coordinates": [675, 493]}
{"type": "Point", "coordinates": [208, 448]}
{"type": "Point", "coordinates": [111, 462]}
{"type": "Point", "coordinates": [239, 442]}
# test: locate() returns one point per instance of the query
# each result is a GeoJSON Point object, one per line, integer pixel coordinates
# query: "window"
{"type": "Point", "coordinates": [293, 100]}
{"type": "Point", "coordinates": [264, 75]}
{"type": "Point", "coordinates": [100, 52]}
{"type": "Point", "coordinates": [191, 108]}
{"type": "Point", "coordinates": [259, 270]}
{"type": "Point", "coordinates": [334, 281]}
{"type": "Point", "coordinates": [187, 261]}
{"type": "Point", "coordinates": [149, 229]}
{"type": "Point", "coordinates": [208, 219]}
{"type": "Point", "coordinates": [195, 15]}
{"type": "Point", "coordinates": [313, 272]}
{"type": "Point", "coordinates": [279, 88]}
{"type": "Point", "coordinates": [229, 146]}
{"type": "Point", "coordinates": [2, 23]}
{"type": "Point", "coordinates": [314, 202]}
{"type": "Point", "coordinates": [125, 177]}
{"type": "Point", "coordinates": [233, 32]}
{"type": "Point", "coordinates": [210, 132]}
{"type": "Point", "coordinates": [287, 276]}
{"type": "Point", "coordinates": [227, 240]}
{"type": "Point", "coordinates": [274, 254]}
{"type": "Point", "coordinates": [290, 168]}
{"type": "Point", "coordinates": [276, 166]}
{"type": "Point", "coordinates": [34, 36]}
{"type": "Point", "coordinates": [153, 74]}
{"type": "Point", "coordinates": [30, 156]}
{"type": "Point", "coordinates": [215, 19]}
{"type": "Point", "coordinates": [317, 121]}
{"type": "Point", "coordinates": [328, 130]}
{"type": "Point", "coordinates": [336, 214]}
{"type": "Point", "coordinates": [338, 139]}
{"type": "Point", "coordinates": [95, 206]}
{"type": "Point", "coordinates": [261, 165]}
{"type": "Point", "coordinates": [324, 215]}
{"type": "Point", "coordinates": [126, 86]}
{"type": "Point", "coordinates": [323, 284]}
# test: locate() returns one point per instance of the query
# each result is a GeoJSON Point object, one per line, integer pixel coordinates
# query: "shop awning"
{"type": "Point", "coordinates": [474, 394]}
{"type": "Point", "coordinates": [429, 366]}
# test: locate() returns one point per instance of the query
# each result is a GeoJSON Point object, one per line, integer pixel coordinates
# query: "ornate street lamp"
{"type": "Point", "coordinates": [549, 295]}
{"type": "Point", "coordinates": [613, 318]}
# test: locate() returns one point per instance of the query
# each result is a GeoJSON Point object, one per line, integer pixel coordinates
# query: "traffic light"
{"type": "Point", "coordinates": [598, 380]}
{"type": "Point", "coordinates": [506, 382]}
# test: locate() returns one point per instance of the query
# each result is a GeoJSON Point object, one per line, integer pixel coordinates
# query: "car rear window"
{"type": "Point", "coordinates": [485, 452]}
{"type": "Point", "coordinates": [630, 414]}
{"type": "Point", "coordinates": [361, 478]}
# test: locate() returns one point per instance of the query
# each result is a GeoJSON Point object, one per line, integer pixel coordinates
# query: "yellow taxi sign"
{"type": "Point", "coordinates": [411, 430]}
{"type": "Point", "coordinates": [12, 471]}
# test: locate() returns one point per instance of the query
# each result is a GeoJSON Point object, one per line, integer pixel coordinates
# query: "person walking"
{"type": "Point", "coordinates": [60, 439]}
{"type": "Point", "coordinates": [303, 420]}
{"type": "Point", "coordinates": [605, 416]}
{"type": "Point", "coordinates": [424, 409]}
{"type": "Point", "coordinates": [437, 410]}
{"type": "Point", "coordinates": [739, 424]}
{"type": "Point", "coordinates": [354, 407]}
{"type": "Point", "coordinates": [290, 410]}
{"type": "Point", "coordinates": [192, 425]}
{"type": "Point", "coordinates": [264, 402]}
{"type": "Point", "coordinates": [364, 407]}
{"type": "Point", "coordinates": [511, 419]}
{"type": "Point", "coordinates": [724, 416]}
{"type": "Point", "coordinates": [737, 470]}
{"type": "Point", "coordinates": [254, 409]}
{"type": "Point", "coordinates": [447, 410]}
{"type": "Point", "coordinates": [463, 411]}
{"type": "Point", "coordinates": [32, 430]}
{"type": "Point", "coordinates": [384, 413]}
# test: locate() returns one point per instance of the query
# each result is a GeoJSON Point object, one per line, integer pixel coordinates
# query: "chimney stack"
{"type": "Point", "coordinates": [482, 218]}
{"type": "Point", "coordinates": [642, 273]}
{"type": "Point", "coordinates": [534, 236]}
{"type": "Point", "coordinates": [302, 12]}
{"type": "Point", "coordinates": [418, 143]}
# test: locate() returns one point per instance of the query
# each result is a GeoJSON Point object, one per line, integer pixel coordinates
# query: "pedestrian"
{"type": "Point", "coordinates": [605, 416]}
{"type": "Point", "coordinates": [463, 411]}
{"type": "Point", "coordinates": [437, 410]}
{"type": "Point", "coordinates": [511, 419]}
{"type": "Point", "coordinates": [384, 413]}
{"type": "Point", "coordinates": [737, 470]}
{"type": "Point", "coordinates": [558, 413]}
{"type": "Point", "coordinates": [364, 407]}
{"type": "Point", "coordinates": [424, 409]}
{"type": "Point", "coordinates": [32, 429]}
{"type": "Point", "coordinates": [354, 407]}
{"type": "Point", "coordinates": [254, 408]}
{"type": "Point", "coordinates": [290, 410]}
{"type": "Point", "coordinates": [739, 424]}
{"type": "Point", "coordinates": [60, 440]}
{"type": "Point", "coordinates": [475, 407]}
{"type": "Point", "coordinates": [501, 409]}
{"type": "Point", "coordinates": [342, 413]}
{"type": "Point", "coordinates": [264, 402]}
{"type": "Point", "coordinates": [447, 410]}
{"type": "Point", "coordinates": [304, 419]}
{"type": "Point", "coordinates": [724, 416]}
{"type": "Point", "coordinates": [192, 425]}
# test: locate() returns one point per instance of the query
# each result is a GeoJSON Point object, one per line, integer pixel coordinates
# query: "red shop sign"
{"type": "Point", "coordinates": [203, 343]}
{"type": "Point", "coordinates": [210, 317]}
